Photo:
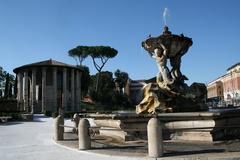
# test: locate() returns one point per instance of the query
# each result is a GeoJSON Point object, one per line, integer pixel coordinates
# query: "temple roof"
{"type": "Point", "coordinates": [47, 63]}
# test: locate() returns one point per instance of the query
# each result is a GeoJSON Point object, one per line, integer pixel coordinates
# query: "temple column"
{"type": "Point", "coordinates": [43, 88]}
{"type": "Point", "coordinates": [20, 90]}
{"type": "Point", "coordinates": [64, 96]}
{"type": "Point", "coordinates": [26, 107]}
{"type": "Point", "coordinates": [55, 88]}
{"type": "Point", "coordinates": [33, 90]}
{"type": "Point", "coordinates": [72, 90]}
{"type": "Point", "coordinates": [78, 90]}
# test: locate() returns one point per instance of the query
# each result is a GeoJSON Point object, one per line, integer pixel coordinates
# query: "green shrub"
{"type": "Point", "coordinates": [54, 114]}
{"type": "Point", "coordinates": [48, 113]}
{"type": "Point", "coordinates": [14, 115]}
{"type": "Point", "coordinates": [69, 114]}
{"type": "Point", "coordinates": [8, 105]}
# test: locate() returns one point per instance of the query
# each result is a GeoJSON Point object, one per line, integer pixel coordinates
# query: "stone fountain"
{"type": "Point", "coordinates": [170, 93]}
{"type": "Point", "coordinates": [181, 108]}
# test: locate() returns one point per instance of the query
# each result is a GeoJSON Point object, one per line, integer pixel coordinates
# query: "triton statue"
{"type": "Point", "coordinates": [172, 91]}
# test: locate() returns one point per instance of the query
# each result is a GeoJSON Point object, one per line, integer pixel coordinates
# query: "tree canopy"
{"type": "Point", "coordinates": [106, 88]}
{"type": "Point", "coordinates": [7, 80]}
{"type": "Point", "coordinates": [79, 54]}
{"type": "Point", "coordinates": [3, 74]}
{"type": "Point", "coordinates": [121, 79]}
{"type": "Point", "coordinates": [99, 54]}
{"type": "Point", "coordinates": [107, 94]}
{"type": "Point", "coordinates": [104, 53]}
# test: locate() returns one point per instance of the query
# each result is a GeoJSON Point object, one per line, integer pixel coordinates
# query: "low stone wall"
{"type": "Point", "coordinates": [201, 126]}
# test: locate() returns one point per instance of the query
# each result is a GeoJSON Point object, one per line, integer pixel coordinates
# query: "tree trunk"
{"type": "Point", "coordinates": [97, 82]}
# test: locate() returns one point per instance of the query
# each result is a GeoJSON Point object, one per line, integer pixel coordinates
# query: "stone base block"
{"type": "Point", "coordinates": [114, 132]}
{"type": "Point", "coordinates": [192, 136]}
{"type": "Point", "coordinates": [27, 117]}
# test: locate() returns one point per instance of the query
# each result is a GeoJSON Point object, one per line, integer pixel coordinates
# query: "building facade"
{"type": "Point", "coordinates": [227, 87]}
{"type": "Point", "coordinates": [215, 90]}
{"type": "Point", "coordinates": [48, 86]}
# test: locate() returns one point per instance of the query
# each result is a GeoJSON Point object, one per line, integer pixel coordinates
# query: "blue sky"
{"type": "Point", "coordinates": [32, 31]}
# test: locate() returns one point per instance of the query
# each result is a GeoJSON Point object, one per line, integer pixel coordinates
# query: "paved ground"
{"type": "Point", "coordinates": [33, 141]}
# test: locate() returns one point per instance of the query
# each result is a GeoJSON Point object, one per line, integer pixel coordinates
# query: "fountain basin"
{"type": "Point", "coordinates": [201, 126]}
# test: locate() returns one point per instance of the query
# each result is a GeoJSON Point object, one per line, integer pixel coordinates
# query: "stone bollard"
{"type": "Point", "coordinates": [155, 140]}
{"type": "Point", "coordinates": [59, 131]}
{"type": "Point", "coordinates": [75, 120]}
{"type": "Point", "coordinates": [84, 138]}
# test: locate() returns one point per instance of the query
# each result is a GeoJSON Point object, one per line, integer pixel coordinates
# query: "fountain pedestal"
{"type": "Point", "coordinates": [126, 126]}
{"type": "Point", "coordinates": [200, 126]}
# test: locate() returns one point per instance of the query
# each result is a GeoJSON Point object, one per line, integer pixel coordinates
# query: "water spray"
{"type": "Point", "coordinates": [165, 14]}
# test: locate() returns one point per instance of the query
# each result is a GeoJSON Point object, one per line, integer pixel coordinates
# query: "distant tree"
{"type": "Point", "coordinates": [85, 80]}
{"type": "Point", "coordinates": [121, 79]}
{"type": "Point", "coordinates": [11, 85]}
{"type": "Point", "coordinates": [6, 90]}
{"type": "Point", "coordinates": [106, 95]}
{"type": "Point", "coordinates": [15, 87]}
{"type": "Point", "coordinates": [11, 79]}
{"type": "Point", "coordinates": [121, 101]}
{"type": "Point", "coordinates": [99, 54]}
{"type": "Point", "coordinates": [2, 79]}
{"type": "Point", "coordinates": [103, 54]}
{"type": "Point", "coordinates": [79, 54]}
{"type": "Point", "coordinates": [10, 94]}
{"type": "Point", "coordinates": [7, 80]}
{"type": "Point", "coordinates": [106, 88]}
{"type": "Point", "coordinates": [3, 75]}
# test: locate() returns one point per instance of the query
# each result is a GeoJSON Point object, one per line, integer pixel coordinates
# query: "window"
{"type": "Point", "coordinates": [229, 96]}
